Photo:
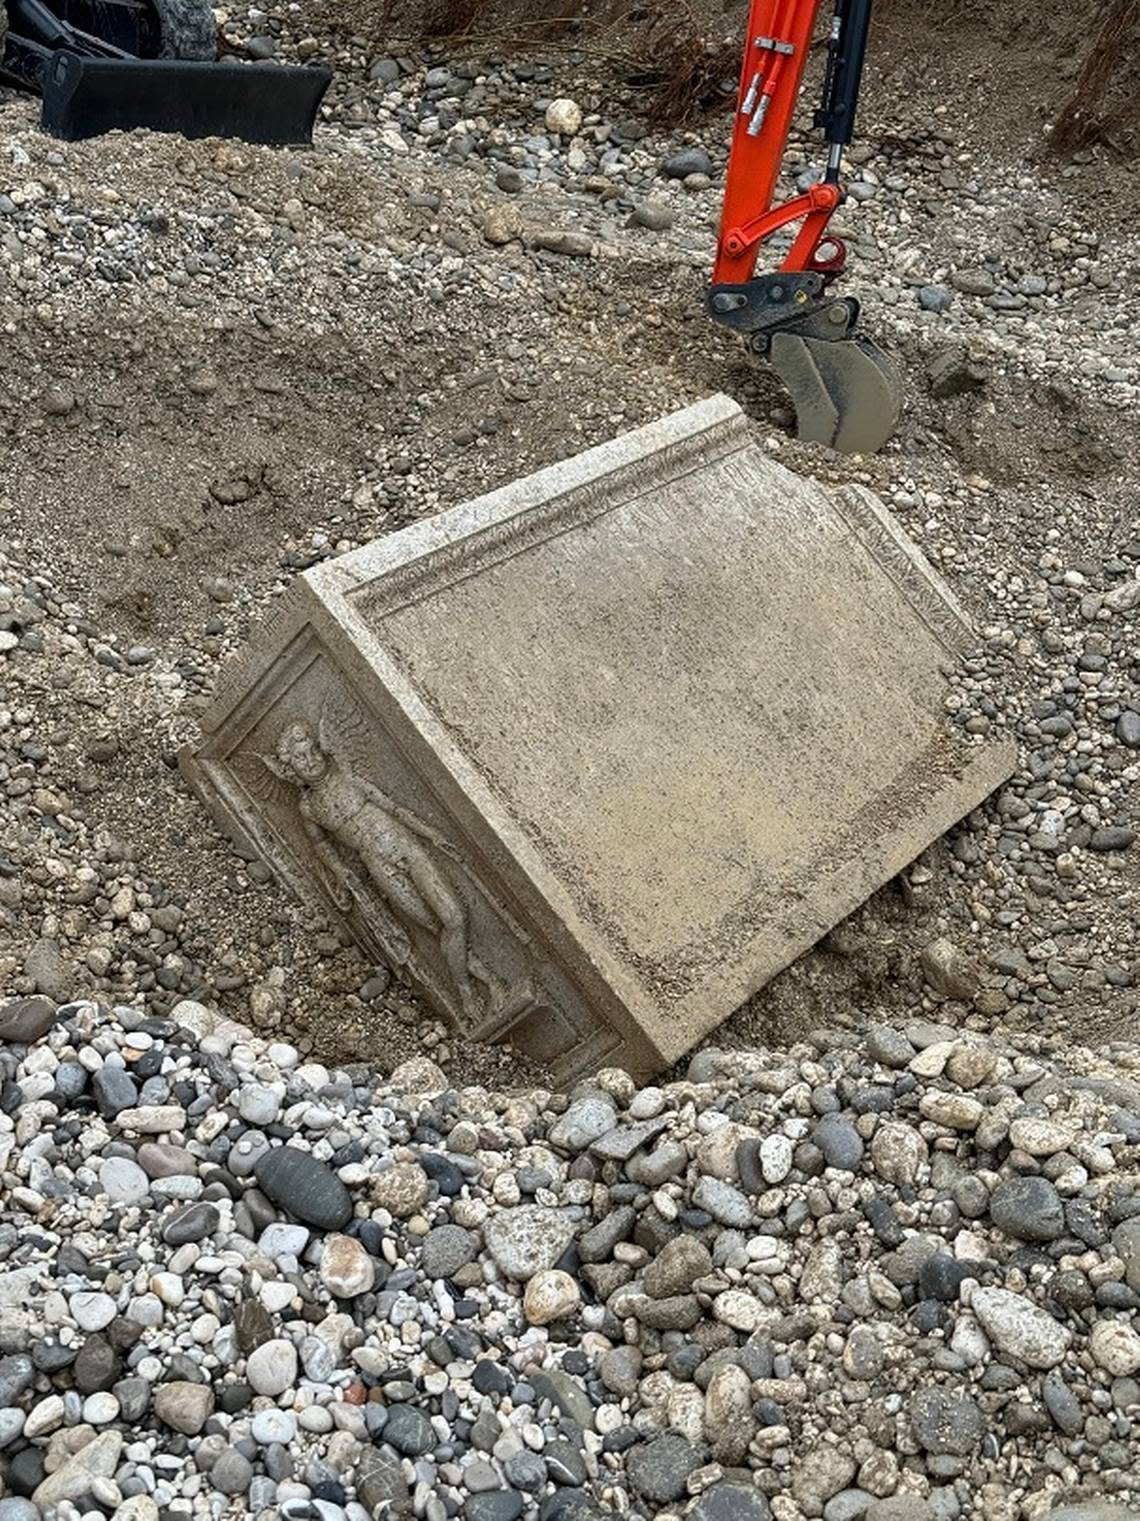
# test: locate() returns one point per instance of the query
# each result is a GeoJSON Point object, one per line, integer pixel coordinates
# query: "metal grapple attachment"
{"type": "Point", "coordinates": [842, 385]}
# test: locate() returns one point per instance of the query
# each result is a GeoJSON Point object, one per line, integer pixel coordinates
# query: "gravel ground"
{"type": "Point", "coordinates": [888, 1274]}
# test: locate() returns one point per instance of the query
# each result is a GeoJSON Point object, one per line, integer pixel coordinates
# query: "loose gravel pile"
{"type": "Point", "coordinates": [889, 1275]}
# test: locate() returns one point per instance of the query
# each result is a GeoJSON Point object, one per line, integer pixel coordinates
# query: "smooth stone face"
{"type": "Point", "coordinates": [272, 1367]}
{"type": "Point", "coordinates": [193, 1222]}
{"type": "Point", "coordinates": [283, 1239]}
{"type": "Point", "coordinates": [840, 1142]}
{"type": "Point", "coordinates": [570, 582]}
{"type": "Point", "coordinates": [92, 1310]}
{"type": "Point", "coordinates": [380, 1480]}
{"type": "Point", "coordinates": [731, 1502]}
{"type": "Point", "coordinates": [115, 1090]}
{"type": "Point", "coordinates": [409, 1431]}
{"type": "Point", "coordinates": [17, 1375]}
{"type": "Point", "coordinates": [584, 1122]}
{"type": "Point", "coordinates": [346, 1268]}
{"type": "Point", "coordinates": [232, 1473]}
{"type": "Point", "coordinates": [305, 1187]}
{"type": "Point", "coordinates": [123, 1180]}
{"type": "Point", "coordinates": [550, 1295]}
{"type": "Point", "coordinates": [497, 1505]}
{"type": "Point", "coordinates": [24, 1020]}
{"type": "Point", "coordinates": [160, 1160]}
{"type": "Point", "coordinates": [17, 1509]}
{"type": "Point", "coordinates": [270, 1426]}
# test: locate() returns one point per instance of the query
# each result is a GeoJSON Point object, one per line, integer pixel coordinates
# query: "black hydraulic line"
{"type": "Point", "coordinates": [33, 21]}
{"type": "Point", "coordinates": [846, 52]}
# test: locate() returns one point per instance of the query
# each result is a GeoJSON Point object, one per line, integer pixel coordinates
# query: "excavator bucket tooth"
{"type": "Point", "coordinates": [84, 96]}
{"type": "Point", "coordinates": [844, 390]}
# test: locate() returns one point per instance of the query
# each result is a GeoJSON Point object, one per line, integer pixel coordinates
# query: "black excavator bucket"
{"type": "Point", "coordinates": [85, 96]}
{"type": "Point", "coordinates": [843, 387]}
{"type": "Point", "coordinates": [845, 392]}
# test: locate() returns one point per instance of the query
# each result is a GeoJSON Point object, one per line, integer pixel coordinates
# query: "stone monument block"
{"type": "Point", "coordinates": [593, 757]}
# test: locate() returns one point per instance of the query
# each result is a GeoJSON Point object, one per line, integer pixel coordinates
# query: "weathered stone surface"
{"type": "Point", "coordinates": [1020, 1328]}
{"type": "Point", "coordinates": [527, 1240]}
{"type": "Point", "coordinates": [744, 672]}
{"type": "Point", "coordinates": [72, 1480]}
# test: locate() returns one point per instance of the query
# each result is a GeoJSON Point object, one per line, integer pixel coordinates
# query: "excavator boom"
{"type": "Point", "coordinates": [843, 387]}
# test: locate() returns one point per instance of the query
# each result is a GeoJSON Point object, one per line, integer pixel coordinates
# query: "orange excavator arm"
{"type": "Point", "coordinates": [843, 387]}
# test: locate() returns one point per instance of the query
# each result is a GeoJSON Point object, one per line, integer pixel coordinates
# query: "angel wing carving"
{"type": "Point", "coordinates": [265, 779]}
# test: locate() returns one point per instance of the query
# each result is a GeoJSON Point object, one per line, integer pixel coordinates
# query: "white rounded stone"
{"type": "Point", "coordinates": [346, 1268]}
{"type": "Point", "coordinates": [100, 1408]}
{"type": "Point", "coordinates": [272, 1367]}
{"type": "Point", "coordinates": [91, 1310]}
{"type": "Point", "coordinates": [123, 1180]}
{"type": "Point", "coordinates": [1115, 1347]}
{"type": "Point", "coordinates": [775, 1158]}
{"type": "Point", "coordinates": [270, 1426]}
{"type": "Point", "coordinates": [550, 1295]}
{"type": "Point", "coordinates": [564, 116]}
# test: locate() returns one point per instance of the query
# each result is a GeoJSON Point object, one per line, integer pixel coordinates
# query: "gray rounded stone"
{"type": "Point", "coordinates": [840, 1142]}
{"type": "Point", "coordinates": [679, 166]}
{"type": "Point", "coordinates": [232, 1473]}
{"type": "Point", "coordinates": [525, 1470]}
{"type": "Point", "coordinates": [114, 1090]}
{"type": "Point", "coordinates": [658, 1469]}
{"type": "Point", "coordinates": [16, 1509]}
{"type": "Point", "coordinates": [731, 1502]}
{"type": "Point", "coordinates": [889, 1046]}
{"type": "Point", "coordinates": [946, 1423]}
{"type": "Point", "coordinates": [1029, 1209]}
{"type": "Point", "coordinates": [305, 1187]}
{"type": "Point", "coordinates": [409, 1431]}
{"type": "Point", "coordinates": [446, 1249]}
{"type": "Point", "coordinates": [584, 1122]}
{"type": "Point", "coordinates": [123, 1181]}
{"type": "Point", "coordinates": [494, 1505]}
{"type": "Point", "coordinates": [24, 1020]}
{"type": "Point", "coordinates": [17, 1376]}
{"type": "Point", "coordinates": [193, 1222]}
